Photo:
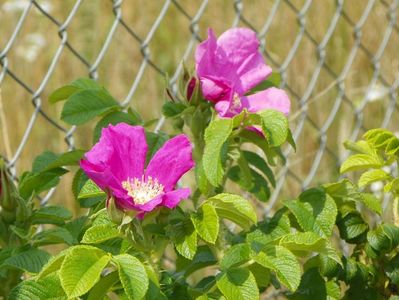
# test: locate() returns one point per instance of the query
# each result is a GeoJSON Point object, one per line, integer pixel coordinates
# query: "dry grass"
{"type": "Point", "coordinates": [120, 65]}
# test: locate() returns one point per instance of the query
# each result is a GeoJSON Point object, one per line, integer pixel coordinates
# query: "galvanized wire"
{"type": "Point", "coordinates": [303, 100]}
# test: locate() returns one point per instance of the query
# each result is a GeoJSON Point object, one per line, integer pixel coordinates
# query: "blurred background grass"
{"type": "Point", "coordinates": [31, 55]}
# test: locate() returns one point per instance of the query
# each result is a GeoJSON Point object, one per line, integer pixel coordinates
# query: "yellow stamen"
{"type": "Point", "coordinates": [143, 190]}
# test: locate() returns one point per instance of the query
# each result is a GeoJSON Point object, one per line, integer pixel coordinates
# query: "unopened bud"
{"type": "Point", "coordinates": [8, 191]}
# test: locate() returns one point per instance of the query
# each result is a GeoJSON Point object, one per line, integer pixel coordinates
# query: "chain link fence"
{"type": "Point", "coordinates": [338, 60]}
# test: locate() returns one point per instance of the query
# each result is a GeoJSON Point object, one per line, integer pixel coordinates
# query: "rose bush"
{"type": "Point", "coordinates": [160, 220]}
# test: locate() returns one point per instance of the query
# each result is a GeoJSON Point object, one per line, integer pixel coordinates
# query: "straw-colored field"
{"type": "Point", "coordinates": [32, 53]}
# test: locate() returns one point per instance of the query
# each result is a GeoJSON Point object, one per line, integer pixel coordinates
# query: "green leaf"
{"type": "Point", "coordinates": [90, 189]}
{"type": "Point", "coordinates": [351, 227]}
{"type": "Point", "coordinates": [53, 264]}
{"type": "Point", "coordinates": [70, 158]}
{"type": "Point", "coordinates": [87, 104]}
{"type": "Point", "coordinates": [51, 215]}
{"type": "Point", "coordinates": [372, 203]}
{"type": "Point", "coordinates": [312, 286]}
{"type": "Point", "coordinates": [101, 288]}
{"type": "Point", "coordinates": [173, 109]}
{"type": "Point", "coordinates": [204, 257]}
{"type": "Point", "coordinates": [57, 235]}
{"type": "Point", "coordinates": [361, 162]}
{"type": "Point", "coordinates": [114, 117]}
{"type": "Point", "coordinates": [48, 288]}
{"type": "Point", "coordinates": [206, 223]}
{"type": "Point", "coordinates": [315, 211]}
{"type": "Point", "coordinates": [372, 176]}
{"type": "Point", "coordinates": [216, 134]}
{"type": "Point", "coordinates": [303, 241]}
{"type": "Point", "coordinates": [234, 208]}
{"type": "Point", "coordinates": [43, 160]}
{"type": "Point", "coordinates": [283, 263]}
{"type": "Point", "coordinates": [33, 184]}
{"type": "Point", "coordinates": [100, 233]}
{"type": "Point", "coordinates": [186, 243]}
{"type": "Point", "coordinates": [132, 275]}
{"type": "Point", "coordinates": [259, 163]}
{"type": "Point", "coordinates": [65, 92]}
{"type": "Point", "coordinates": [275, 127]}
{"type": "Point", "coordinates": [236, 254]}
{"type": "Point", "coordinates": [273, 80]}
{"type": "Point", "coordinates": [238, 284]}
{"type": "Point", "coordinates": [81, 269]}
{"type": "Point", "coordinates": [154, 141]}
{"type": "Point", "coordinates": [31, 260]}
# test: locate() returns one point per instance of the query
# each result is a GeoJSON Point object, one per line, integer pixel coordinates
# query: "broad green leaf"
{"type": "Point", "coordinates": [31, 260]}
{"type": "Point", "coordinates": [37, 183]}
{"type": "Point", "coordinates": [186, 244]}
{"type": "Point", "coordinates": [254, 138]}
{"type": "Point", "coordinates": [372, 203]}
{"type": "Point", "coordinates": [275, 127]}
{"type": "Point", "coordinates": [100, 233]}
{"type": "Point", "coordinates": [259, 163]}
{"type": "Point", "coordinates": [283, 263]}
{"type": "Point", "coordinates": [53, 264]}
{"type": "Point", "coordinates": [303, 241]}
{"type": "Point", "coordinates": [132, 275]}
{"type": "Point", "coordinates": [315, 211]}
{"type": "Point", "coordinates": [372, 176]}
{"type": "Point", "coordinates": [57, 235]}
{"type": "Point", "coordinates": [360, 162]}
{"type": "Point", "coordinates": [203, 257]}
{"type": "Point", "coordinates": [206, 223]}
{"type": "Point", "coordinates": [173, 109]}
{"type": "Point", "coordinates": [112, 118]}
{"type": "Point", "coordinates": [312, 286]}
{"type": "Point", "coordinates": [90, 189]}
{"type": "Point", "coordinates": [66, 91]}
{"type": "Point", "coordinates": [238, 284]}
{"type": "Point", "coordinates": [360, 147]}
{"type": "Point", "coordinates": [48, 288]}
{"type": "Point", "coordinates": [234, 208]}
{"type": "Point", "coordinates": [87, 104]}
{"type": "Point", "coordinates": [101, 288]}
{"type": "Point", "coordinates": [216, 134]}
{"type": "Point", "coordinates": [43, 160]}
{"type": "Point", "coordinates": [51, 215]}
{"type": "Point", "coordinates": [352, 227]}
{"type": "Point", "coordinates": [333, 290]}
{"type": "Point", "coordinates": [70, 158]}
{"type": "Point", "coordinates": [384, 238]}
{"type": "Point", "coordinates": [81, 269]}
{"type": "Point", "coordinates": [236, 254]}
{"type": "Point", "coordinates": [261, 274]}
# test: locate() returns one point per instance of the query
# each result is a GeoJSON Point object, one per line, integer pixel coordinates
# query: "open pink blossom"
{"type": "Point", "coordinates": [117, 165]}
{"type": "Point", "coordinates": [230, 67]}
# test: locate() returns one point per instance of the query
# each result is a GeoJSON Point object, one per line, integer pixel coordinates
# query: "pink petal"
{"type": "Point", "coordinates": [173, 198]}
{"type": "Point", "coordinates": [171, 162]}
{"type": "Point", "coordinates": [240, 46]}
{"type": "Point", "coordinates": [224, 109]}
{"type": "Point", "coordinates": [119, 154]}
{"type": "Point", "coordinates": [272, 98]}
{"type": "Point", "coordinates": [214, 89]}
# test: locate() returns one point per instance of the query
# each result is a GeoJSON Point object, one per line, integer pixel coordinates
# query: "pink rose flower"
{"type": "Point", "coordinates": [229, 67]}
{"type": "Point", "coordinates": [117, 165]}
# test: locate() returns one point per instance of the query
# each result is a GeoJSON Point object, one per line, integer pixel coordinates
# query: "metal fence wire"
{"type": "Point", "coordinates": [338, 60]}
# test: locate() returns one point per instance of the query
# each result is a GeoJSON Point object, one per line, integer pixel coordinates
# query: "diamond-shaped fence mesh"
{"type": "Point", "coordinates": [338, 60]}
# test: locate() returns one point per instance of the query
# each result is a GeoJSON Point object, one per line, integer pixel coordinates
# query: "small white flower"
{"type": "Point", "coordinates": [31, 46]}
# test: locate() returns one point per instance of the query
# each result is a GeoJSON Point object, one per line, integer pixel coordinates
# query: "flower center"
{"type": "Point", "coordinates": [141, 190]}
{"type": "Point", "coordinates": [236, 103]}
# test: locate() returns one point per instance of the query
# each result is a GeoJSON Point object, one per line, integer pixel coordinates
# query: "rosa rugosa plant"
{"type": "Point", "coordinates": [148, 232]}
